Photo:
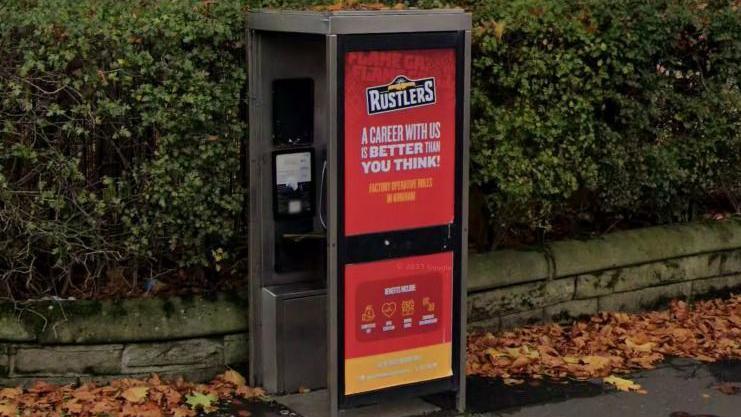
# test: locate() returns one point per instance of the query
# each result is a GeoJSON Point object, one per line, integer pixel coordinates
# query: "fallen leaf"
{"type": "Point", "coordinates": [623, 384]}
{"type": "Point", "coordinates": [200, 400]}
{"type": "Point", "coordinates": [8, 410]}
{"type": "Point", "coordinates": [135, 395]}
{"type": "Point", "coordinates": [250, 393]}
{"type": "Point", "coordinates": [10, 393]}
{"type": "Point", "coordinates": [233, 377]}
{"type": "Point", "coordinates": [645, 347]}
{"type": "Point", "coordinates": [183, 412]}
{"type": "Point", "coordinates": [596, 364]}
{"type": "Point", "coordinates": [520, 362]}
{"type": "Point", "coordinates": [83, 394]}
{"type": "Point", "coordinates": [149, 409]}
{"type": "Point", "coordinates": [494, 353]}
{"type": "Point", "coordinates": [72, 406]}
{"type": "Point", "coordinates": [728, 388]}
{"type": "Point", "coordinates": [513, 381]}
{"type": "Point", "coordinates": [104, 406]}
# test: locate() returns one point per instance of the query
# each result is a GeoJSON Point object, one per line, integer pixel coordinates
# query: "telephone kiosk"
{"type": "Point", "coordinates": [358, 198]}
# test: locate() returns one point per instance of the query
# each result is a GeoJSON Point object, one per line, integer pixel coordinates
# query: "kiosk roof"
{"type": "Point", "coordinates": [359, 21]}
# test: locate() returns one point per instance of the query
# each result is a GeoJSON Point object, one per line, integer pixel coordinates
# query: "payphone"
{"type": "Point", "coordinates": [358, 200]}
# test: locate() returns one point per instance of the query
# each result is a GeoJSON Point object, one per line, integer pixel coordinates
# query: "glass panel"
{"type": "Point", "coordinates": [293, 112]}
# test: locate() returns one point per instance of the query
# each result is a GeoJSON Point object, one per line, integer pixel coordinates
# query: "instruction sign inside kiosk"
{"type": "Point", "coordinates": [293, 190]}
{"type": "Point", "coordinates": [400, 139]}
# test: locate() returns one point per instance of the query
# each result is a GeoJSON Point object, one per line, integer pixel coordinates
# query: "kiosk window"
{"type": "Point", "coordinates": [293, 112]}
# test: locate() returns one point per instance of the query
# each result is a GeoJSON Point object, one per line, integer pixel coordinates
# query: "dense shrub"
{"type": "Point", "coordinates": [605, 108]}
{"type": "Point", "coordinates": [122, 127]}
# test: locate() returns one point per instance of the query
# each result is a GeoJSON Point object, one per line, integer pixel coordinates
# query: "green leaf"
{"type": "Point", "coordinates": [200, 400]}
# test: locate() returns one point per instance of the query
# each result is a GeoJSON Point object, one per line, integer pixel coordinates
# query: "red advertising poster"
{"type": "Point", "coordinates": [399, 139]}
{"type": "Point", "coordinates": [398, 322]}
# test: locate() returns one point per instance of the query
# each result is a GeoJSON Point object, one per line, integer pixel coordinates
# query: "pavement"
{"type": "Point", "coordinates": [676, 388]}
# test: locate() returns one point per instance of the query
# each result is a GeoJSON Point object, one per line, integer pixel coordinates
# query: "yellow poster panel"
{"type": "Point", "coordinates": [370, 373]}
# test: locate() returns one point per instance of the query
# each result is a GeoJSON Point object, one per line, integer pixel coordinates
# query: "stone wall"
{"type": "Point", "coordinates": [626, 271]}
{"type": "Point", "coordinates": [71, 341]}
{"type": "Point", "coordinates": [79, 341]}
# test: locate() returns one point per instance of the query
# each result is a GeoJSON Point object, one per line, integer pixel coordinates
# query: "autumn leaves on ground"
{"type": "Point", "coordinates": [605, 346]}
{"type": "Point", "coordinates": [126, 398]}
{"type": "Point", "coordinates": [610, 344]}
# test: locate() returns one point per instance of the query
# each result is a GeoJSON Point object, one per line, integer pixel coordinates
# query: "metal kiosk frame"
{"type": "Point", "coordinates": [335, 34]}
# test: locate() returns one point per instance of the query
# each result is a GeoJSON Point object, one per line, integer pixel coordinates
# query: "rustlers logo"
{"type": "Point", "coordinates": [401, 94]}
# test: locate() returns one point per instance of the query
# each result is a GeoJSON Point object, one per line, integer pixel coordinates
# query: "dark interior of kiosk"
{"type": "Point", "coordinates": [294, 301]}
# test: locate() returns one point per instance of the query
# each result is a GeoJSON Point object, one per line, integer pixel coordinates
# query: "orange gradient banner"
{"type": "Point", "coordinates": [397, 368]}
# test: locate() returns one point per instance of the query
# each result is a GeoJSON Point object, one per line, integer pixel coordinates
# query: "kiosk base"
{"type": "Point", "coordinates": [294, 342]}
{"type": "Point", "coordinates": [316, 403]}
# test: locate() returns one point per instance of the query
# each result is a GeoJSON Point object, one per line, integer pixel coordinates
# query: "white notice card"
{"type": "Point", "coordinates": [292, 169]}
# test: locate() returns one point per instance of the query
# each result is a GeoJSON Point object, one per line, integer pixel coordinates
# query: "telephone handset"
{"type": "Point", "coordinates": [322, 195]}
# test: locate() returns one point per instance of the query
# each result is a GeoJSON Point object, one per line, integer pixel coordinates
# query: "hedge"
{"type": "Point", "coordinates": [123, 134]}
{"type": "Point", "coordinates": [606, 108]}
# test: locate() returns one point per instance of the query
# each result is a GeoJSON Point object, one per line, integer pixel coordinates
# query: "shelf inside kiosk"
{"type": "Point", "coordinates": [300, 237]}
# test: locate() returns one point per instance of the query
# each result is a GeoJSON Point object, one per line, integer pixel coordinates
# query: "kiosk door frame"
{"type": "Point", "coordinates": [403, 243]}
